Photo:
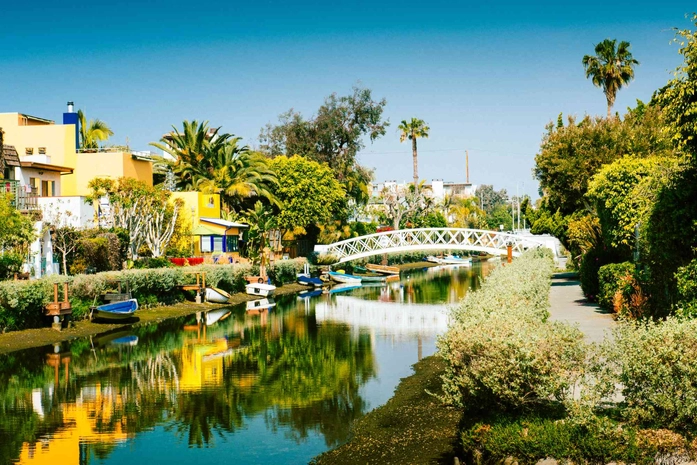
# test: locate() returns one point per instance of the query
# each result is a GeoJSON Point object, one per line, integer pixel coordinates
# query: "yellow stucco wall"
{"type": "Point", "coordinates": [199, 205]}
{"type": "Point", "coordinates": [111, 165]}
{"type": "Point", "coordinates": [58, 139]}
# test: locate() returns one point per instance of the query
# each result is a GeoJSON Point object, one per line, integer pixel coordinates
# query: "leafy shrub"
{"type": "Point", "coordinates": [655, 363]}
{"type": "Point", "coordinates": [686, 278]}
{"type": "Point", "coordinates": [284, 271]}
{"type": "Point", "coordinates": [499, 350]}
{"type": "Point", "coordinates": [611, 279]}
{"type": "Point", "coordinates": [591, 262]}
{"type": "Point", "coordinates": [152, 262]}
{"type": "Point", "coordinates": [10, 263]}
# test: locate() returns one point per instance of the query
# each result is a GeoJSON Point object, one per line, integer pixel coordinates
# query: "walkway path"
{"type": "Point", "coordinates": [569, 305]}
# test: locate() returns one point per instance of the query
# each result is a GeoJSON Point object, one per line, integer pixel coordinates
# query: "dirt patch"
{"type": "Point", "coordinates": [412, 427]}
{"type": "Point", "coordinates": [25, 339]}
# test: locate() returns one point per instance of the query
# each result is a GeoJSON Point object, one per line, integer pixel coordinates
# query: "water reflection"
{"type": "Point", "coordinates": [302, 370]}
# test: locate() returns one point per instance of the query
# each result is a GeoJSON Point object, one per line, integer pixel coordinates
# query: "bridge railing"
{"type": "Point", "coordinates": [403, 240]}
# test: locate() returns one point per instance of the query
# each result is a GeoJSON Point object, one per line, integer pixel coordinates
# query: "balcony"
{"type": "Point", "coordinates": [23, 198]}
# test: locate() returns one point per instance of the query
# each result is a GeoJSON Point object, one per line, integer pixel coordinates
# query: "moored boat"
{"type": "Point", "coordinates": [115, 311]}
{"type": "Point", "coordinates": [264, 290]}
{"type": "Point", "coordinates": [218, 296]}
{"type": "Point", "coordinates": [382, 269]}
{"type": "Point", "coordinates": [372, 278]}
{"type": "Point", "coordinates": [309, 281]}
{"type": "Point", "coordinates": [449, 260]}
{"type": "Point", "coordinates": [344, 278]}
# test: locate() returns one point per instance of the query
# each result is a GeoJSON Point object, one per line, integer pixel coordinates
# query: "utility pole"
{"type": "Point", "coordinates": [467, 164]}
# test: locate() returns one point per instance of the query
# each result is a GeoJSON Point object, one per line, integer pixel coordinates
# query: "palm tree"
{"type": "Point", "coordinates": [201, 158]}
{"type": "Point", "coordinates": [92, 132]}
{"type": "Point", "coordinates": [610, 68]}
{"type": "Point", "coordinates": [412, 130]}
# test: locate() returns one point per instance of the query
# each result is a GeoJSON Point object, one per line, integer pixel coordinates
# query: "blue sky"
{"type": "Point", "coordinates": [486, 77]}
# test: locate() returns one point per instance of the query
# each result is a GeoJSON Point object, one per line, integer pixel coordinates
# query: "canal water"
{"type": "Point", "coordinates": [237, 385]}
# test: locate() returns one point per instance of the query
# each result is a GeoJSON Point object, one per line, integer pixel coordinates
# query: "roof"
{"type": "Point", "coordinates": [46, 167]}
{"type": "Point", "coordinates": [225, 223]}
{"type": "Point", "coordinates": [36, 118]}
{"type": "Point", "coordinates": [201, 230]}
{"type": "Point", "coordinates": [8, 157]}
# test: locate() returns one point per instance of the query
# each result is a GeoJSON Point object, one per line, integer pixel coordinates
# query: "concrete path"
{"type": "Point", "coordinates": [569, 305]}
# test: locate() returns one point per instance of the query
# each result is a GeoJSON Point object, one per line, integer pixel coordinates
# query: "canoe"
{"type": "Point", "coordinates": [308, 281]}
{"type": "Point", "coordinates": [343, 288]}
{"type": "Point", "coordinates": [264, 290]}
{"type": "Point", "coordinates": [214, 316]}
{"type": "Point", "coordinates": [383, 269]}
{"type": "Point", "coordinates": [218, 296]}
{"type": "Point", "coordinates": [360, 269]}
{"type": "Point", "coordinates": [261, 304]}
{"type": "Point", "coordinates": [116, 311]}
{"type": "Point", "coordinates": [449, 260]}
{"type": "Point", "coordinates": [344, 278]}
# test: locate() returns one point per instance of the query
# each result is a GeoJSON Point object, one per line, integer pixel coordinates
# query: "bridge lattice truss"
{"type": "Point", "coordinates": [406, 240]}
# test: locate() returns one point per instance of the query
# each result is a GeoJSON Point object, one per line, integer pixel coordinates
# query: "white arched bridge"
{"type": "Point", "coordinates": [409, 240]}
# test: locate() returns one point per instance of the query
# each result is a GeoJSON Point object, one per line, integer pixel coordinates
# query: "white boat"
{"type": "Point", "coordinates": [214, 316]}
{"type": "Point", "coordinates": [261, 304]}
{"type": "Point", "coordinates": [218, 296]}
{"type": "Point", "coordinates": [264, 290]}
{"type": "Point", "coordinates": [344, 278]}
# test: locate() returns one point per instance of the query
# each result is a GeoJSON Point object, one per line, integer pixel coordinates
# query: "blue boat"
{"type": "Point", "coordinates": [344, 278]}
{"type": "Point", "coordinates": [308, 281]}
{"type": "Point", "coordinates": [343, 288]}
{"type": "Point", "coordinates": [116, 311]}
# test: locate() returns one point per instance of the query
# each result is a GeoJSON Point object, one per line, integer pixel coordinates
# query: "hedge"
{"type": "Point", "coordinates": [22, 302]}
{"type": "Point", "coordinates": [611, 278]}
{"type": "Point", "coordinates": [499, 350]}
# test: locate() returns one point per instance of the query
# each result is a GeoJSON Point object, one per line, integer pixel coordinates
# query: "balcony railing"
{"type": "Point", "coordinates": [23, 198]}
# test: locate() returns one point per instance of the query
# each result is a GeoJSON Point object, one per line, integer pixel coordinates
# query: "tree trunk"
{"type": "Point", "coordinates": [416, 165]}
{"type": "Point", "coordinates": [65, 264]}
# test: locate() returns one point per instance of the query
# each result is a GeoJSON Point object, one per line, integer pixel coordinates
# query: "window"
{"type": "Point", "coordinates": [231, 242]}
{"type": "Point", "coordinates": [29, 151]}
{"type": "Point", "coordinates": [205, 243]}
{"type": "Point", "coordinates": [217, 243]}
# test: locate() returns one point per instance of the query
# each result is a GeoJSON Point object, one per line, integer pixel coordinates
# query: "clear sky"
{"type": "Point", "coordinates": [486, 76]}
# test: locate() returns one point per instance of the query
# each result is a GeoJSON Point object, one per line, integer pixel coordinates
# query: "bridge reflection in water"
{"type": "Point", "coordinates": [403, 319]}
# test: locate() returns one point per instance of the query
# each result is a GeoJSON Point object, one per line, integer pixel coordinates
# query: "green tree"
{"type": "Point", "coordinates": [16, 230]}
{"type": "Point", "coordinates": [412, 130]}
{"type": "Point", "coordinates": [465, 213]}
{"type": "Point", "coordinates": [610, 68]}
{"type": "Point", "coordinates": [334, 136]}
{"type": "Point", "coordinates": [92, 132]}
{"type": "Point", "coordinates": [307, 192]}
{"type": "Point", "coordinates": [490, 199]}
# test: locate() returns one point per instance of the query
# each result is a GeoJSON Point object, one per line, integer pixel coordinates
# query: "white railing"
{"type": "Point", "coordinates": [406, 240]}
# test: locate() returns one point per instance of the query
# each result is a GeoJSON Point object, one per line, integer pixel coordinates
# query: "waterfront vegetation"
{"type": "Point", "coordinates": [22, 302]}
{"type": "Point", "coordinates": [531, 389]}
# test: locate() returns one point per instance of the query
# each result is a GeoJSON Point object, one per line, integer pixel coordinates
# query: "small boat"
{"type": "Point", "coordinates": [261, 304]}
{"type": "Point", "coordinates": [344, 278]}
{"type": "Point", "coordinates": [309, 281]}
{"type": "Point", "coordinates": [214, 316]}
{"type": "Point", "coordinates": [115, 311]}
{"type": "Point", "coordinates": [360, 269]}
{"type": "Point", "coordinates": [382, 269]}
{"type": "Point", "coordinates": [449, 260]}
{"type": "Point", "coordinates": [343, 288]}
{"type": "Point", "coordinates": [218, 296]}
{"type": "Point", "coordinates": [264, 290]}
{"type": "Point", "coordinates": [372, 278]}
{"type": "Point", "coordinates": [308, 294]}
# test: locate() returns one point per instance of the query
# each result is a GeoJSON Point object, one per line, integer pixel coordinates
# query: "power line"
{"type": "Point", "coordinates": [369, 152]}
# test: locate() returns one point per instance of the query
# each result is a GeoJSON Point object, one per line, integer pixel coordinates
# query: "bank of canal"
{"type": "Point", "coordinates": [278, 386]}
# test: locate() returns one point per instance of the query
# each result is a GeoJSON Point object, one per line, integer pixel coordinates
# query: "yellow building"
{"type": "Point", "coordinates": [42, 141]}
{"type": "Point", "coordinates": [211, 234]}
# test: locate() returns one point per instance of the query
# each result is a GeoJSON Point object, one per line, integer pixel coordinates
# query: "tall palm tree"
{"type": "Point", "coordinates": [92, 132]}
{"type": "Point", "coordinates": [413, 130]}
{"type": "Point", "coordinates": [610, 68]}
{"type": "Point", "coordinates": [201, 158]}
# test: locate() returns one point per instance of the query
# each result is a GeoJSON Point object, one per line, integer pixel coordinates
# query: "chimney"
{"type": "Point", "coordinates": [70, 117]}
